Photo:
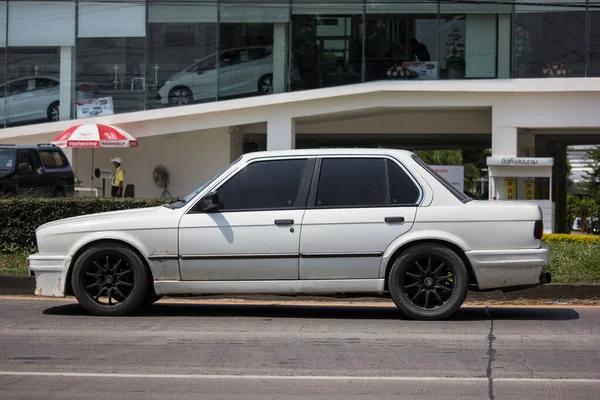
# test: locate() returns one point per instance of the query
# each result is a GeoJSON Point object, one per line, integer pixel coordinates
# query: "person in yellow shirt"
{"type": "Point", "coordinates": [118, 178]}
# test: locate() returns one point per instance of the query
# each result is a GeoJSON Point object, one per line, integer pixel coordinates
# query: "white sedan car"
{"type": "Point", "coordinates": [241, 71]}
{"type": "Point", "coordinates": [301, 221]}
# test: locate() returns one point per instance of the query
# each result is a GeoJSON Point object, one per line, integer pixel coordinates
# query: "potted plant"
{"type": "Point", "coordinates": [455, 54]}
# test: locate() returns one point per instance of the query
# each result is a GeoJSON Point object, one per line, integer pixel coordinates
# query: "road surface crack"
{"type": "Point", "coordinates": [491, 352]}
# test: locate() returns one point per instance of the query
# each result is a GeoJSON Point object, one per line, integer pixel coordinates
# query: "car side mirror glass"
{"type": "Point", "coordinates": [210, 202]}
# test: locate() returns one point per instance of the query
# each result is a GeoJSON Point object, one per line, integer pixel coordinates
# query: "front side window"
{"type": "Point", "coordinates": [264, 185]}
{"type": "Point", "coordinates": [7, 160]}
{"type": "Point", "coordinates": [364, 182]}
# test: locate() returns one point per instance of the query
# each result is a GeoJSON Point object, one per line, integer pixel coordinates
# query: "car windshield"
{"type": "Point", "coordinates": [7, 160]}
{"type": "Point", "coordinates": [457, 193]}
{"type": "Point", "coordinates": [182, 201]}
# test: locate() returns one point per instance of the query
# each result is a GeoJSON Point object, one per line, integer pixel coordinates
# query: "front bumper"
{"type": "Point", "coordinates": [50, 274]}
{"type": "Point", "coordinates": [497, 269]}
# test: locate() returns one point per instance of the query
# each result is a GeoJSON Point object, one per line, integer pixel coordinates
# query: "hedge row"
{"type": "Point", "coordinates": [20, 216]}
{"type": "Point", "coordinates": [573, 258]}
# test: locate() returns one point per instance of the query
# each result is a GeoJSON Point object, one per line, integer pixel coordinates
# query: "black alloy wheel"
{"type": "Point", "coordinates": [428, 282]}
{"type": "Point", "coordinates": [110, 279]}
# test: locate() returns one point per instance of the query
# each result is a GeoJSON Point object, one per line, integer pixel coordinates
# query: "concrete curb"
{"type": "Point", "coordinates": [25, 285]}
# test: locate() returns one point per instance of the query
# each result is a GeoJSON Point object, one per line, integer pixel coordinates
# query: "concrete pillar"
{"type": "Point", "coordinates": [504, 141]}
{"type": "Point", "coordinates": [281, 133]}
{"type": "Point", "coordinates": [67, 83]}
{"type": "Point", "coordinates": [280, 49]}
{"type": "Point", "coordinates": [504, 46]}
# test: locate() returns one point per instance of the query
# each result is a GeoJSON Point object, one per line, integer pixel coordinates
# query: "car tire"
{"type": "Point", "coordinates": [59, 193]}
{"type": "Point", "coordinates": [110, 271]}
{"type": "Point", "coordinates": [180, 96]}
{"type": "Point", "coordinates": [428, 282]}
{"type": "Point", "coordinates": [265, 84]}
{"type": "Point", "coordinates": [54, 112]}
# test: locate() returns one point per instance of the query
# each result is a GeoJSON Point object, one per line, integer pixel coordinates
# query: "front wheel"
{"type": "Point", "coordinates": [428, 282]}
{"type": "Point", "coordinates": [110, 279]}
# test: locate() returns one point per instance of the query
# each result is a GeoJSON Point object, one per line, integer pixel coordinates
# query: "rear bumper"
{"type": "Point", "coordinates": [497, 269]}
{"type": "Point", "coordinates": [50, 274]}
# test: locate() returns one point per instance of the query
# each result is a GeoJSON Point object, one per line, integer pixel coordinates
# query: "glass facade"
{"type": "Point", "coordinates": [103, 57]}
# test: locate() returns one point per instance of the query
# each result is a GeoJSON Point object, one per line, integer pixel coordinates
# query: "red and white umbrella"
{"type": "Point", "coordinates": [94, 136]}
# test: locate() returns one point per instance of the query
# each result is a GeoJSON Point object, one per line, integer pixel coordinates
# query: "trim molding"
{"type": "Point", "coordinates": [282, 256]}
{"type": "Point", "coordinates": [341, 255]}
{"type": "Point", "coordinates": [163, 257]}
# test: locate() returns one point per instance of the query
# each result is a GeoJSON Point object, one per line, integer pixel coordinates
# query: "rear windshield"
{"type": "Point", "coordinates": [457, 193]}
{"type": "Point", "coordinates": [7, 160]}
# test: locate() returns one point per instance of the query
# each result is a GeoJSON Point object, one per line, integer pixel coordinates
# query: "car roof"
{"type": "Point", "coordinates": [322, 152]}
{"type": "Point", "coordinates": [27, 146]}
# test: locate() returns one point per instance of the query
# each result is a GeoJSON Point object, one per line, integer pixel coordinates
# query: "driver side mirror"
{"type": "Point", "coordinates": [210, 202]}
{"type": "Point", "coordinates": [24, 167]}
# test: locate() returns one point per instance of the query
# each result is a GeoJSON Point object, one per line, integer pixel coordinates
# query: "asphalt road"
{"type": "Point", "coordinates": [50, 349]}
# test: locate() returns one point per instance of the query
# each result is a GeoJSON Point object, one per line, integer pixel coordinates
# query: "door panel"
{"type": "Point", "coordinates": [240, 245]}
{"type": "Point", "coordinates": [358, 208]}
{"type": "Point", "coordinates": [255, 232]}
{"type": "Point", "coordinates": [362, 237]}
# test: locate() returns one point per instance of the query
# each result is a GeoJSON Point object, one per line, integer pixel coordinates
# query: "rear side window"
{"type": "Point", "coordinates": [364, 182]}
{"type": "Point", "coordinates": [53, 159]}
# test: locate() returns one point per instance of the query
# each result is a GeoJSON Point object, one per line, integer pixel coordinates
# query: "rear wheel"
{"type": "Point", "coordinates": [428, 282]}
{"type": "Point", "coordinates": [54, 112]}
{"type": "Point", "coordinates": [110, 279]}
{"type": "Point", "coordinates": [265, 84]}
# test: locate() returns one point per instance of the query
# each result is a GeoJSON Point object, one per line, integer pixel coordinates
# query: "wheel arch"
{"type": "Point", "coordinates": [87, 245]}
{"type": "Point", "coordinates": [457, 249]}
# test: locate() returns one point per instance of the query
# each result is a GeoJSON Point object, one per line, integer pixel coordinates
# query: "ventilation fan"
{"type": "Point", "coordinates": [162, 180]}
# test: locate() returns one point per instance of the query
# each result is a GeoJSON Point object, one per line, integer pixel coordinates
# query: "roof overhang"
{"type": "Point", "coordinates": [258, 109]}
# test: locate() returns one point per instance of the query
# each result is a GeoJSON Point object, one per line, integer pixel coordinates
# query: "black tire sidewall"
{"type": "Point", "coordinates": [402, 263]}
{"type": "Point", "coordinates": [262, 80]}
{"type": "Point", "coordinates": [135, 299]}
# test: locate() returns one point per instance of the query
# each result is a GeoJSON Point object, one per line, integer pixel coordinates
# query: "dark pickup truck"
{"type": "Point", "coordinates": [38, 171]}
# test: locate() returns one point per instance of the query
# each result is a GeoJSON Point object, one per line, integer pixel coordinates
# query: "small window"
{"type": "Point", "coordinates": [264, 185]}
{"type": "Point", "coordinates": [402, 189]}
{"type": "Point", "coordinates": [52, 159]}
{"type": "Point", "coordinates": [352, 182]}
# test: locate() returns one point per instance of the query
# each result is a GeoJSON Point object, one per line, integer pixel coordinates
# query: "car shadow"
{"type": "Point", "coordinates": [277, 311]}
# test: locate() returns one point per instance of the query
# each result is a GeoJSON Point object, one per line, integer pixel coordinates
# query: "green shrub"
{"type": "Point", "coordinates": [573, 258]}
{"type": "Point", "coordinates": [21, 216]}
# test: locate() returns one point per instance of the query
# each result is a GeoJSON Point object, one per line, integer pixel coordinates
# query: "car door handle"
{"type": "Point", "coordinates": [394, 219]}
{"type": "Point", "coordinates": [284, 222]}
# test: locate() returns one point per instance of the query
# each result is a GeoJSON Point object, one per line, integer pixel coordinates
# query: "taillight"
{"type": "Point", "coordinates": [538, 229]}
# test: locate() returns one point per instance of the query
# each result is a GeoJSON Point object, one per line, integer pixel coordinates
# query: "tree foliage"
{"type": "Point", "coordinates": [474, 162]}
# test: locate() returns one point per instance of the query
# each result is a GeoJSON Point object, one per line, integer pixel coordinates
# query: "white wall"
{"type": "Point", "coordinates": [191, 158]}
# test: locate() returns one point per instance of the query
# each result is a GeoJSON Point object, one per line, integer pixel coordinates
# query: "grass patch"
{"type": "Point", "coordinates": [14, 263]}
{"type": "Point", "coordinates": [574, 262]}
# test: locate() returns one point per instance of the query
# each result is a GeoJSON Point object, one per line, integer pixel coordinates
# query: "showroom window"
{"type": "Point", "coordinates": [401, 40]}
{"type": "Point", "coordinates": [327, 43]}
{"type": "Point", "coordinates": [111, 57]}
{"type": "Point", "coordinates": [253, 48]}
{"type": "Point", "coordinates": [548, 41]}
{"type": "Point", "coordinates": [265, 185]}
{"type": "Point", "coordinates": [593, 51]}
{"type": "Point", "coordinates": [182, 46]}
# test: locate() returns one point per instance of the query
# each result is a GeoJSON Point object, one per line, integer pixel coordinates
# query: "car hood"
{"type": "Point", "coordinates": [140, 218]}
